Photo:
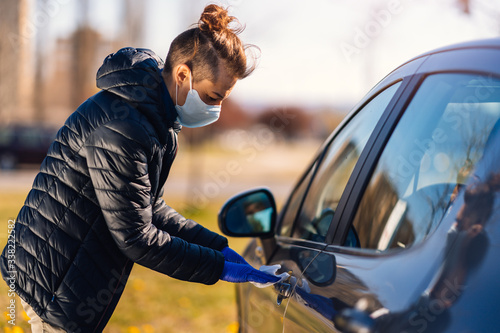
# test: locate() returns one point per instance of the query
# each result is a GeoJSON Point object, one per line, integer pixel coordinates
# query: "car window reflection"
{"type": "Point", "coordinates": [427, 160]}
{"type": "Point", "coordinates": [320, 274]}
{"type": "Point", "coordinates": [467, 244]}
{"type": "Point", "coordinates": [336, 168]}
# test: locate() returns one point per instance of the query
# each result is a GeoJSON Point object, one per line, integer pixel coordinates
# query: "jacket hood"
{"type": "Point", "coordinates": [135, 76]}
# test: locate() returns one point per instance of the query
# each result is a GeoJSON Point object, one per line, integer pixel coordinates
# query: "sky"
{"type": "Point", "coordinates": [321, 53]}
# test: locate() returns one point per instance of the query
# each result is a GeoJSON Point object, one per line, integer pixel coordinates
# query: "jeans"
{"type": "Point", "coordinates": [37, 324]}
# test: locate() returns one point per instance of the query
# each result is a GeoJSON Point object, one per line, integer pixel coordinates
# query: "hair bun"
{"type": "Point", "coordinates": [215, 19]}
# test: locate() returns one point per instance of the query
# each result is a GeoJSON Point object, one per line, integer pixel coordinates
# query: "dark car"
{"type": "Point", "coordinates": [395, 225]}
{"type": "Point", "coordinates": [23, 144]}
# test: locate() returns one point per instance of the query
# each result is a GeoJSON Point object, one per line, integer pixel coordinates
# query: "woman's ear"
{"type": "Point", "coordinates": [181, 74]}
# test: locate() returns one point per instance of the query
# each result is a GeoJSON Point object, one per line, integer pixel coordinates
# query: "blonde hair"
{"type": "Point", "coordinates": [202, 48]}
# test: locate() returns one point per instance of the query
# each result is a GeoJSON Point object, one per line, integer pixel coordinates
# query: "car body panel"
{"type": "Point", "coordinates": [260, 311]}
{"type": "Point", "coordinates": [399, 284]}
{"type": "Point", "coordinates": [392, 282]}
{"type": "Point", "coordinates": [473, 60]}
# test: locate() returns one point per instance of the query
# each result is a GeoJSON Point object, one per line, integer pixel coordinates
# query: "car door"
{"type": "Point", "coordinates": [390, 243]}
{"type": "Point", "coordinates": [299, 242]}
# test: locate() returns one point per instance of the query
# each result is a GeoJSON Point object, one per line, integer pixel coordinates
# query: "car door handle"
{"type": "Point", "coordinates": [284, 289]}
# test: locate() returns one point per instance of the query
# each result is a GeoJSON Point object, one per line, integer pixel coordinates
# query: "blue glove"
{"type": "Point", "coordinates": [232, 256]}
{"type": "Point", "coordinates": [234, 272]}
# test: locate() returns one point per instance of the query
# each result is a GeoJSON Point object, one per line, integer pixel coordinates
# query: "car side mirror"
{"type": "Point", "coordinates": [249, 214]}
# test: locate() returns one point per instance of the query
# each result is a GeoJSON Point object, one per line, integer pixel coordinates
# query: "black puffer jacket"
{"type": "Point", "coordinates": [96, 206]}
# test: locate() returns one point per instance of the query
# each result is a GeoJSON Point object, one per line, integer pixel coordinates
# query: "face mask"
{"type": "Point", "coordinates": [194, 112]}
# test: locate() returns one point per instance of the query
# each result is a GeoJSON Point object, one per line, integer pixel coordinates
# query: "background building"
{"type": "Point", "coordinates": [16, 81]}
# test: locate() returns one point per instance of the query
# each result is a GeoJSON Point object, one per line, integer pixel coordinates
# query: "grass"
{"type": "Point", "coordinates": [151, 302]}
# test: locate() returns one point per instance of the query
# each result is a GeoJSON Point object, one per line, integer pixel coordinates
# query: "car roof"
{"type": "Point", "coordinates": [474, 44]}
{"type": "Point", "coordinates": [491, 43]}
{"type": "Point", "coordinates": [490, 50]}
{"type": "Point", "coordinates": [477, 47]}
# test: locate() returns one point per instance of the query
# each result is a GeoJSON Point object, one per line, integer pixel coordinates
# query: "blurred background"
{"type": "Point", "coordinates": [316, 60]}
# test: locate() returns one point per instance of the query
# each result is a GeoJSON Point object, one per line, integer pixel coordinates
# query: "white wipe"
{"type": "Point", "coordinates": [270, 270]}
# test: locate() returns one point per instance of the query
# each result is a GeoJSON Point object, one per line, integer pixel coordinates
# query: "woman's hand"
{"type": "Point", "coordinates": [235, 272]}
{"type": "Point", "coordinates": [232, 256]}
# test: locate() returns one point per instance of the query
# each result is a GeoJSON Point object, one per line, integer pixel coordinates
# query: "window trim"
{"type": "Point", "coordinates": [313, 167]}
{"type": "Point", "coordinates": [305, 243]}
{"type": "Point", "coordinates": [316, 163]}
{"type": "Point", "coordinates": [368, 159]}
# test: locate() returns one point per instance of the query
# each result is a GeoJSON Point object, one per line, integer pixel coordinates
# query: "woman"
{"type": "Point", "coordinates": [96, 206]}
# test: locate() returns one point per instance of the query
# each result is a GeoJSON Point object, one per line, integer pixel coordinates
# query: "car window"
{"type": "Point", "coordinates": [336, 167]}
{"type": "Point", "coordinates": [290, 211]}
{"type": "Point", "coordinates": [427, 160]}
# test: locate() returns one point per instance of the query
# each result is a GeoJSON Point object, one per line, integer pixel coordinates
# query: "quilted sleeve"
{"type": "Point", "coordinates": [118, 164]}
{"type": "Point", "coordinates": [168, 219]}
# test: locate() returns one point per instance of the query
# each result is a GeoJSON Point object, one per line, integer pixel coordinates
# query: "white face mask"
{"type": "Point", "coordinates": [194, 112]}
